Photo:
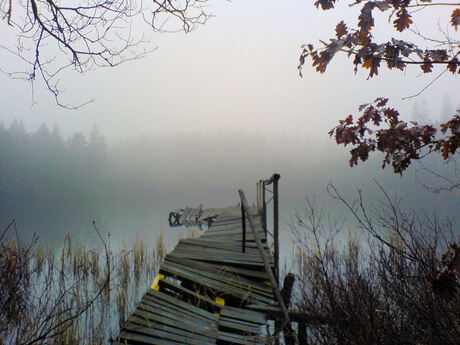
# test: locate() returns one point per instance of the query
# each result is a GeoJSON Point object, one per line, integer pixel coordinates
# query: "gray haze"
{"type": "Point", "coordinates": [53, 185]}
{"type": "Point", "coordinates": [239, 72]}
{"type": "Point", "coordinates": [214, 111]}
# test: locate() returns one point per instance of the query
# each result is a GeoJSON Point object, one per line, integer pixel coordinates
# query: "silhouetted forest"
{"type": "Point", "coordinates": [54, 184]}
{"type": "Point", "coordinates": [43, 173]}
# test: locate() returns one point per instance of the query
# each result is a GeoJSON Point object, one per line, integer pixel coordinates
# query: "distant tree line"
{"type": "Point", "coordinates": [43, 171]}
{"type": "Point", "coordinates": [36, 158]}
{"type": "Point", "coordinates": [53, 183]}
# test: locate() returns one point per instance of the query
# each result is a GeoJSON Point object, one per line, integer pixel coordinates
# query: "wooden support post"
{"type": "Point", "coordinates": [259, 201]}
{"type": "Point", "coordinates": [276, 177]}
{"type": "Point", "coordinates": [243, 218]}
{"type": "Point", "coordinates": [302, 332]}
{"type": "Point", "coordinates": [264, 209]}
{"type": "Point", "coordinates": [288, 286]}
{"type": "Point", "coordinates": [286, 292]}
{"type": "Point", "coordinates": [271, 277]}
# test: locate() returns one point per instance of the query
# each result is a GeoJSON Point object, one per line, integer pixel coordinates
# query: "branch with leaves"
{"type": "Point", "coordinates": [379, 127]}
{"type": "Point", "coordinates": [401, 142]}
{"type": "Point", "coordinates": [395, 53]}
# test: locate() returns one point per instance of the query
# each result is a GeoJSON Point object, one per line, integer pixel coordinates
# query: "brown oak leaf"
{"type": "Point", "coordinates": [452, 65]}
{"type": "Point", "coordinates": [381, 102]}
{"type": "Point", "coordinates": [427, 66]}
{"type": "Point", "coordinates": [403, 20]}
{"type": "Point", "coordinates": [455, 18]}
{"type": "Point", "coordinates": [341, 29]}
{"type": "Point", "coordinates": [326, 56]}
{"type": "Point", "coordinates": [438, 54]}
{"type": "Point", "coordinates": [372, 64]}
{"type": "Point", "coordinates": [445, 150]}
{"type": "Point", "coordinates": [360, 152]}
{"type": "Point", "coordinates": [366, 21]}
{"type": "Point", "coordinates": [392, 115]}
{"type": "Point", "coordinates": [392, 57]}
{"type": "Point", "coordinates": [325, 4]}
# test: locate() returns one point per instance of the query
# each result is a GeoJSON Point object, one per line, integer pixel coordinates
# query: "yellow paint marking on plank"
{"type": "Point", "coordinates": [155, 285]}
{"type": "Point", "coordinates": [221, 301]}
{"type": "Point", "coordinates": [267, 282]}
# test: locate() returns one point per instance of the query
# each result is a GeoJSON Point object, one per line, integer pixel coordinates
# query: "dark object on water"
{"type": "Point", "coordinates": [174, 219]}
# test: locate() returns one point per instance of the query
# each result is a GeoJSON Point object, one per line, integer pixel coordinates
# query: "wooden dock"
{"type": "Point", "coordinates": [214, 289]}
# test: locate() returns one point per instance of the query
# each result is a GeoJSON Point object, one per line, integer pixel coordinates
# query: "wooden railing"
{"type": "Point", "coordinates": [263, 254]}
{"type": "Point", "coordinates": [262, 203]}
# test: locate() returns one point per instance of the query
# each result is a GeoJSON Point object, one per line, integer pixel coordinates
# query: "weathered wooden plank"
{"type": "Point", "coordinates": [152, 334]}
{"type": "Point", "coordinates": [182, 327]}
{"type": "Point", "coordinates": [169, 316]}
{"type": "Point", "coordinates": [210, 244]}
{"type": "Point", "coordinates": [188, 310]}
{"type": "Point", "coordinates": [240, 326]}
{"type": "Point", "coordinates": [231, 232]}
{"type": "Point", "coordinates": [127, 337]}
{"type": "Point", "coordinates": [233, 221]}
{"type": "Point", "coordinates": [258, 277]}
{"type": "Point", "coordinates": [236, 268]}
{"type": "Point", "coordinates": [248, 243]}
{"type": "Point", "coordinates": [174, 301]}
{"type": "Point", "coordinates": [222, 275]}
{"type": "Point", "coordinates": [249, 254]}
{"type": "Point", "coordinates": [201, 300]}
{"type": "Point", "coordinates": [217, 222]}
{"type": "Point", "coordinates": [226, 237]}
{"type": "Point", "coordinates": [238, 339]}
{"type": "Point", "coordinates": [227, 287]}
{"type": "Point", "coordinates": [263, 308]}
{"type": "Point", "coordinates": [243, 314]}
{"type": "Point", "coordinates": [230, 246]}
{"type": "Point", "coordinates": [162, 308]}
{"type": "Point", "coordinates": [223, 259]}
{"type": "Point", "coordinates": [139, 339]}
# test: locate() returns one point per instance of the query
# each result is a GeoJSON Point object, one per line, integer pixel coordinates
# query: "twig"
{"type": "Point", "coordinates": [6, 229]}
{"type": "Point", "coordinates": [426, 87]}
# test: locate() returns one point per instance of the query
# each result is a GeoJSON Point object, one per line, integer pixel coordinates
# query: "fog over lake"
{"type": "Point", "coordinates": [53, 185]}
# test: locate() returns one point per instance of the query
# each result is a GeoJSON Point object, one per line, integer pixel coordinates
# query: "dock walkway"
{"type": "Point", "coordinates": [208, 289]}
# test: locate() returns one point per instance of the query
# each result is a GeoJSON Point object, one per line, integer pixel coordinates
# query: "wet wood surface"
{"type": "Point", "coordinates": [209, 291]}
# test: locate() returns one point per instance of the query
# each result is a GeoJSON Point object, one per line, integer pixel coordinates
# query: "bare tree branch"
{"type": "Point", "coordinates": [56, 35]}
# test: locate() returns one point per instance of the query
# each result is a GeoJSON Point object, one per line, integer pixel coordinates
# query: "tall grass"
{"type": "Point", "coordinates": [396, 283]}
{"type": "Point", "coordinates": [71, 295]}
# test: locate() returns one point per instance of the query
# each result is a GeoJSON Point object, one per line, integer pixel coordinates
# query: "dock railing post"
{"type": "Point", "coordinates": [271, 277]}
{"type": "Point", "coordinates": [243, 218]}
{"type": "Point", "coordinates": [276, 177]}
{"type": "Point", "coordinates": [259, 206]}
{"type": "Point", "coordinates": [275, 198]}
{"type": "Point", "coordinates": [274, 283]}
{"type": "Point", "coordinates": [264, 209]}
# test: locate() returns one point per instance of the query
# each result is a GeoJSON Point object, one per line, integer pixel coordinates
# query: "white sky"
{"type": "Point", "coordinates": [236, 72]}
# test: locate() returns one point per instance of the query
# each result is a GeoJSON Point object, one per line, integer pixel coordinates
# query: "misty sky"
{"type": "Point", "coordinates": [237, 75]}
{"type": "Point", "coordinates": [236, 72]}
